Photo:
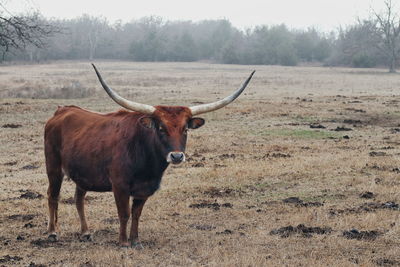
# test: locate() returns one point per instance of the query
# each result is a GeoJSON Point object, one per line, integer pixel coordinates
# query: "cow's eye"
{"type": "Point", "coordinates": [161, 129]}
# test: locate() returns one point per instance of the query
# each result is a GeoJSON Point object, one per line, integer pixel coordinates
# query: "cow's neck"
{"type": "Point", "coordinates": [147, 157]}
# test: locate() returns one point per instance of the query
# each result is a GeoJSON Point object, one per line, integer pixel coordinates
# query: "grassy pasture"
{"type": "Point", "coordinates": [260, 186]}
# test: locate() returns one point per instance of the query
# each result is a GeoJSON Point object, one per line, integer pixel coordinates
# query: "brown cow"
{"type": "Point", "coordinates": [123, 152]}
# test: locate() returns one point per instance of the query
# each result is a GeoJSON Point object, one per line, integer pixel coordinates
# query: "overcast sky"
{"type": "Point", "coordinates": [325, 15]}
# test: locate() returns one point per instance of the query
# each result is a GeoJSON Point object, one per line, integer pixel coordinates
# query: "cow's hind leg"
{"type": "Point", "coordinates": [55, 176]}
{"type": "Point", "coordinates": [80, 206]}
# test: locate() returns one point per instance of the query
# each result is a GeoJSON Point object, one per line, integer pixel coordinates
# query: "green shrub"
{"type": "Point", "coordinates": [363, 61]}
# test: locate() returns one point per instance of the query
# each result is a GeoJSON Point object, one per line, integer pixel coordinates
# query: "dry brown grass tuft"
{"type": "Point", "coordinates": [220, 208]}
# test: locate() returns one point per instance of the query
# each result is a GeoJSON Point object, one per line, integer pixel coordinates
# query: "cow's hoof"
{"type": "Point", "coordinates": [137, 245]}
{"type": "Point", "coordinates": [86, 238]}
{"type": "Point", "coordinates": [124, 244]}
{"type": "Point", "coordinates": [52, 237]}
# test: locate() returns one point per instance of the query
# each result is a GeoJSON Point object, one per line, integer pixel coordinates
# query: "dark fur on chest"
{"type": "Point", "coordinates": [140, 166]}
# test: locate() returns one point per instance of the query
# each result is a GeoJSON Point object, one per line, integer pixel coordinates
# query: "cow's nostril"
{"type": "Point", "coordinates": [177, 156]}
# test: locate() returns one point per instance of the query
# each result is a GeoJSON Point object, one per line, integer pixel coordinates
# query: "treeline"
{"type": "Point", "coordinates": [153, 39]}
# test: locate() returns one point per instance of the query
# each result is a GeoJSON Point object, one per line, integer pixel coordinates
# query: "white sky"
{"type": "Point", "coordinates": [325, 15]}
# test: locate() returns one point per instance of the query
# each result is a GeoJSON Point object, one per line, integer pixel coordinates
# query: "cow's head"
{"type": "Point", "coordinates": [170, 124]}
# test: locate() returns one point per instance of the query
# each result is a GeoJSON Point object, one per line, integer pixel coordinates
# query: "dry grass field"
{"type": "Point", "coordinates": [301, 170]}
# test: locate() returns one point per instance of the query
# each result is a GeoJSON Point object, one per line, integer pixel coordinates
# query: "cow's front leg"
{"type": "Point", "coordinates": [137, 206]}
{"type": "Point", "coordinates": [122, 201]}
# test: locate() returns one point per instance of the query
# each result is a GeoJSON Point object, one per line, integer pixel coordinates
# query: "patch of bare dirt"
{"type": "Point", "coordinates": [278, 155]}
{"type": "Point", "coordinates": [227, 156]}
{"type": "Point", "coordinates": [300, 203]}
{"type": "Point", "coordinates": [387, 147]}
{"type": "Point", "coordinates": [366, 207]}
{"type": "Point", "coordinates": [32, 264]}
{"type": "Point", "coordinates": [342, 129]}
{"type": "Point", "coordinates": [30, 167]}
{"type": "Point", "coordinates": [21, 217]}
{"type": "Point", "coordinates": [214, 192]}
{"type": "Point", "coordinates": [382, 168]}
{"type": "Point", "coordinates": [10, 163]}
{"type": "Point", "coordinates": [386, 262]}
{"type": "Point", "coordinates": [46, 243]}
{"type": "Point", "coordinates": [377, 154]}
{"type": "Point", "coordinates": [20, 238]}
{"type": "Point", "coordinates": [198, 159]}
{"type": "Point", "coordinates": [225, 232]}
{"type": "Point", "coordinates": [69, 201]}
{"type": "Point", "coordinates": [10, 259]}
{"type": "Point", "coordinates": [273, 155]}
{"type": "Point", "coordinates": [29, 225]}
{"type": "Point", "coordinates": [87, 264]}
{"type": "Point", "coordinates": [11, 125]}
{"type": "Point", "coordinates": [198, 165]}
{"type": "Point", "coordinates": [202, 227]}
{"type": "Point", "coordinates": [31, 195]}
{"type": "Point", "coordinates": [216, 165]}
{"type": "Point", "coordinates": [317, 126]}
{"type": "Point", "coordinates": [210, 205]}
{"type": "Point", "coordinates": [361, 235]}
{"type": "Point", "coordinates": [367, 195]}
{"type": "Point", "coordinates": [356, 110]}
{"type": "Point", "coordinates": [395, 130]}
{"type": "Point", "coordinates": [301, 230]}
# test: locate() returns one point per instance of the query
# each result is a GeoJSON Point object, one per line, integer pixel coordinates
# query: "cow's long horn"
{"type": "Point", "coordinates": [221, 103]}
{"type": "Point", "coordinates": [143, 108]}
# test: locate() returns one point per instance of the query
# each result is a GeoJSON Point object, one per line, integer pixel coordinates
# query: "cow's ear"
{"type": "Point", "coordinates": [147, 122]}
{"type": "Point", "coordinates": [195, 123]}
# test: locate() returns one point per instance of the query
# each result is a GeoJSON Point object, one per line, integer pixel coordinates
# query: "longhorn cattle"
{"type": "Point", "coordinates": [124, 152]}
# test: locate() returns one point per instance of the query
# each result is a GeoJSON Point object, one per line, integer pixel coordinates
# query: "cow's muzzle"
{"type": "Point", "coordinates": [176, 157]}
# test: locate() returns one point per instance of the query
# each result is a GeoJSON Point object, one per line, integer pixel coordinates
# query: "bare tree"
{"type": "Point", "coordinates": [95, 27]}
{"type": "Point", "coordinates": [18, 31]}
{"type": "Point", "coordinates": [387, 29]}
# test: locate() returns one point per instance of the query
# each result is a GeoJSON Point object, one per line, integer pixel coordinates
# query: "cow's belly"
{"type": "Point", "coordinates": [90, 185]}
{"type": "Point", "coordinates": [144, 189]}
{"type": "Point", "coordinates": [88, 178]}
